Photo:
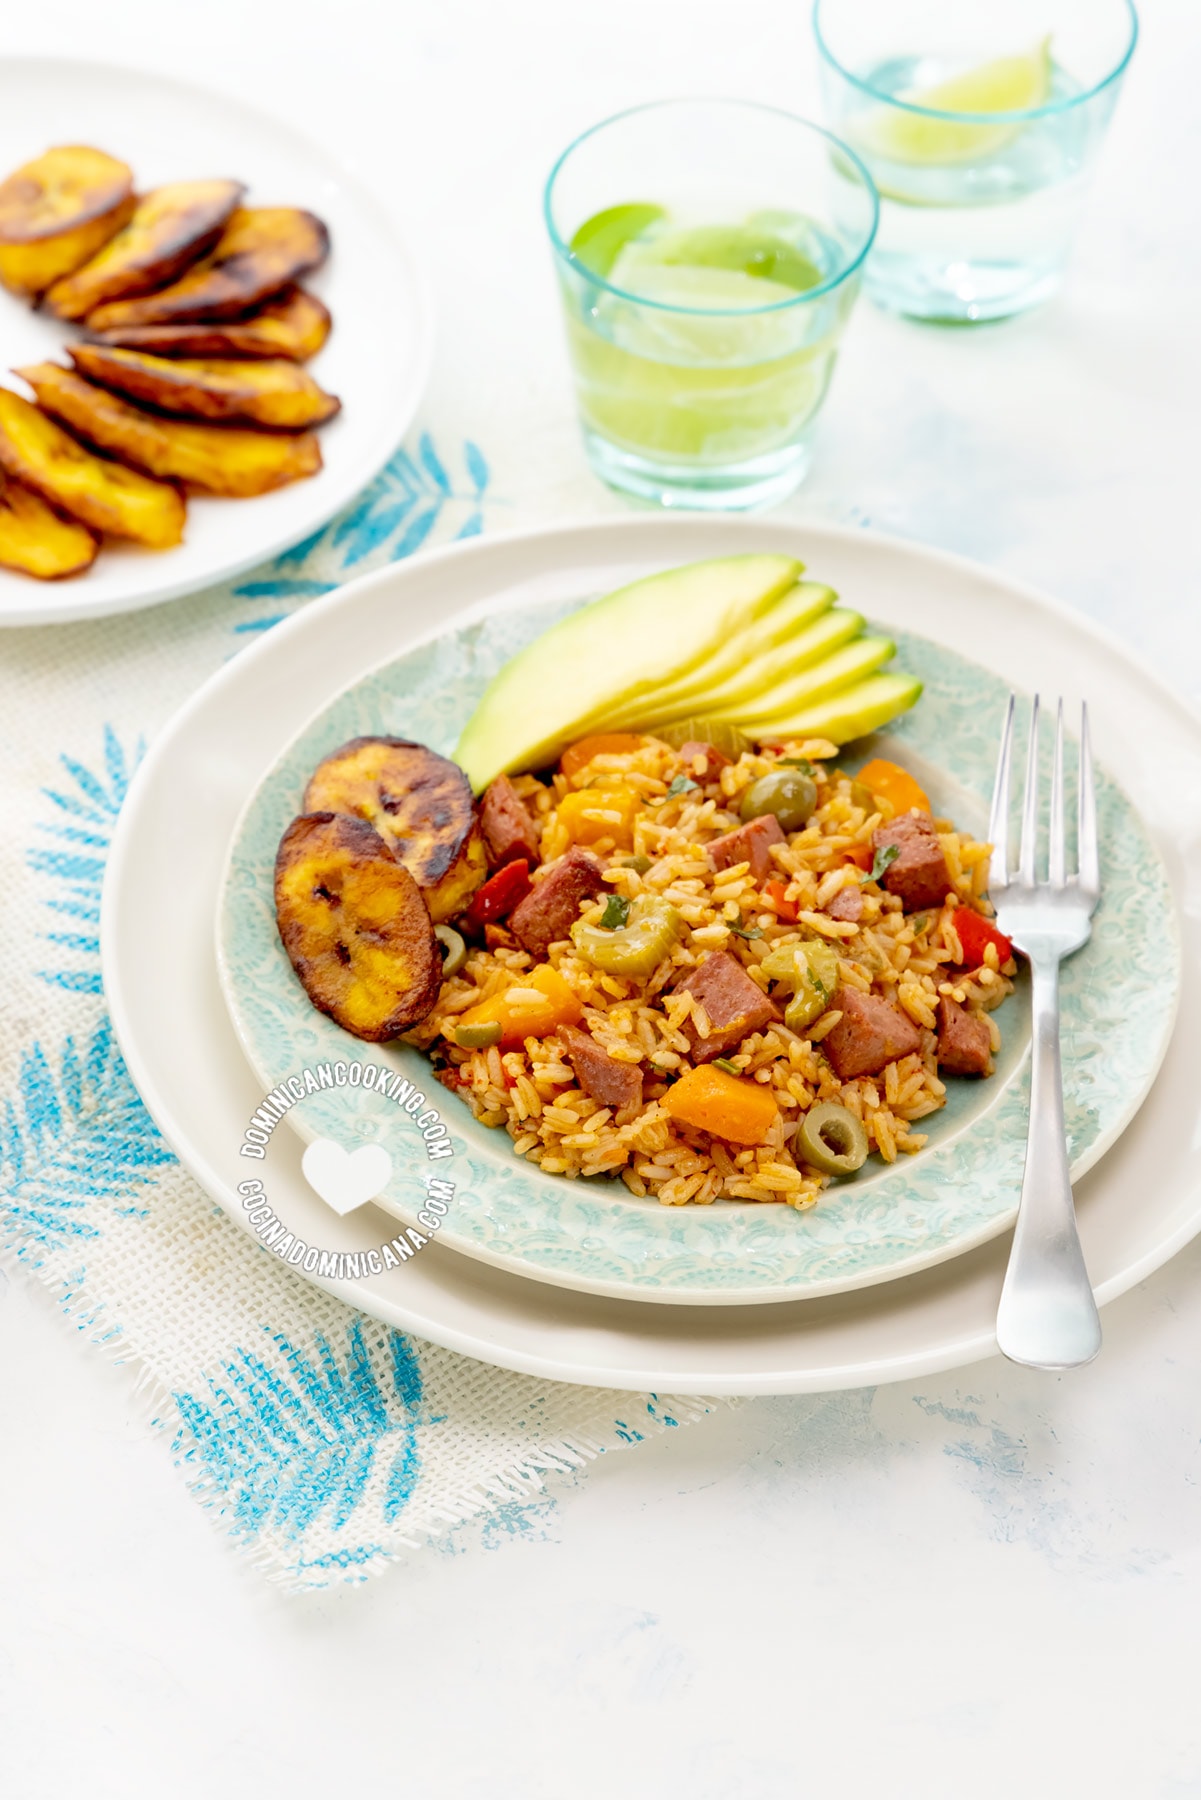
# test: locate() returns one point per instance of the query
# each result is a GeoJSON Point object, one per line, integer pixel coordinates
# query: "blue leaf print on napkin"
{"type": "Point", "coordinates": [75, 1140]}
{"type": "Point", "coordinates": [80, 833]}
{"type": "Point", "coordinates": [299, 1437]}
{"type": "Point", "coordinates": [390, 520]}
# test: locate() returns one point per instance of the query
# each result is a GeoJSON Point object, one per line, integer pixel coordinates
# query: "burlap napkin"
{"type": "Point", "coordinates": [324, 1444]}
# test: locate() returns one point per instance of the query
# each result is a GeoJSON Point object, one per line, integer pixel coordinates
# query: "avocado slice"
{"type": "Point", "coordinates": [754, 682]}
{"type": "Point", "coordinates": [850, 714]}
{"type": "Point", "coordinates": [799, 607]}
{"type": "Point", "coordinates": [610, 652]}
{"type": "Point", "coordinates": [856, 660]}
{"type": "Point", "coordinates": [751, 689]}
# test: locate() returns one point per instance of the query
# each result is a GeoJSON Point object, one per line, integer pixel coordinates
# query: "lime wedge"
{"type": "Point", "coordinates": [1011, 84]}
{"type": "Point", "coordinates": [600, 240]}
{"type": "Point", "coordinates": [762, 255]}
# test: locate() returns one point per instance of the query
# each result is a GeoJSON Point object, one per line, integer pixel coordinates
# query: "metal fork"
{"type": "Point", "coordinates": [1048, 1316]}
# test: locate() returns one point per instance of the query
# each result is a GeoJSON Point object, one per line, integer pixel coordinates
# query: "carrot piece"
{"type": "Point", "coordinates": [710, 1100]}
{"type": "Point", "coordinates": [518, 1019]}
{"type": "Point", "coordinates": [774, 893]}
{"type": "Point", "coordinates": [888, 781]}
{"type": "Point", "coordinates": [590, 814]}
{"type": "Point", "coordinates": [606, 743]}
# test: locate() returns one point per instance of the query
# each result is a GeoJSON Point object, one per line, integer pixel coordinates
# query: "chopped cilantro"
{"type": "Point", "coordinates": [886, 855]}
{"type": "Point", "coordinates": [796, 762]}
{"type": "Point", "coordinates": [920, 924]}
{"type": "Point", "coordinates": [683, 784]}
{"type": "Point", "coordinates": [616, 913]}
{"type": "Point", "coordinates": [746, 931]}
{"type": "Point", "coordinates": [723, 1062]}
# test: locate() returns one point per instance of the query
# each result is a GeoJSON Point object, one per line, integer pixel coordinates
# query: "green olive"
{"type": "Point", "coordinates": [786, 793]}
{"type": "Point", "coordinates": [478, 1037]}
{"type": "Point", "coordinates": [831, 1139]}
{"type": "Point", "coordinates": [454, 950]}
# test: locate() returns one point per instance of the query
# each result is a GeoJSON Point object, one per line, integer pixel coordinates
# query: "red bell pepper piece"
{"type": "Point", "coordinates": [499, 895]}
{"type": "Point", "coordinates": [975, 933]}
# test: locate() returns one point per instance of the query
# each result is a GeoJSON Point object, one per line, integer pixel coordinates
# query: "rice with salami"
{"type": "Point", "coordinates": [656, 813]}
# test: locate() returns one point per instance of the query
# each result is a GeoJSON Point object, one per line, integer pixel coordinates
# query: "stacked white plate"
{"type": "Point", "coordinates": [1137, 1205]}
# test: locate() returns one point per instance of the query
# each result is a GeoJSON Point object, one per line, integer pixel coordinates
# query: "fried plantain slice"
{"type": "Point", "coordinates": [57, 211]}
{"type": "Point", "coordinates": [261, 250]}
{"type": "Point", "coordinates": [421, 805]}
{"type": "Point", "coordinates": [295, 324]}
{"type": "Point", "coordinates": [355, 926]}
{"type": "Point", "coordinates": [37, 540]}
{"type": "Point", "coordinates": [276, 393]}
{"type": "Point", "coordinates": [102, 494]}
{"type": "Point", "coordinates": [221, 459]}
{"type": "Point", "coordinates": [170, 228]}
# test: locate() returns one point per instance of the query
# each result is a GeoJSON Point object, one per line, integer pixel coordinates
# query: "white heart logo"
{"type": "Point", "coordinates": [346, 1178]}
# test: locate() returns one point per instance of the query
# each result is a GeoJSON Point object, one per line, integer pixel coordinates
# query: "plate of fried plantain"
{"type": "Point", "coordinates": [213, 337]}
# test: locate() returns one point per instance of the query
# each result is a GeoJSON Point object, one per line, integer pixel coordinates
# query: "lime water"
{"type": "Point", "coordinates": [691, 357]}
{"type": "Point", "coordinates": [976, 219]}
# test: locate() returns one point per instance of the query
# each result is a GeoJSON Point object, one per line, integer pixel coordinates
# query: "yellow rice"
{"type": "Point", "coordinates": [532, 1091]}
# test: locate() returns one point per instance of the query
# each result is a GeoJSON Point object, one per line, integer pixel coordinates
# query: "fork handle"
{"type": "Point", "coordinates": [1047, 1316]}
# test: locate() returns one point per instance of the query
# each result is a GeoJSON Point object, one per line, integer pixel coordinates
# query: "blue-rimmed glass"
{"type": "Point", "coordinates": [978, 207]}
{"type": "Point", "coordinates": [697, 385]}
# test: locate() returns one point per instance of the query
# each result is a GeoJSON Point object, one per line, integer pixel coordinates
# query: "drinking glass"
{"type": "Point", "coordinates": [708, 255]}
{"type": "Point", "coordinates": [980, 125]}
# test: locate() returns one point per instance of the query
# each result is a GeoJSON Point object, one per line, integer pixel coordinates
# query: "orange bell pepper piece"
{"type": "Point", "coordinates": [590, 814]}
{"type": "Point", "coordinates": [888, 781]}
{"type": "Point", "coordinates": [551, 1003]}
{"type": "Point", "coordinates": [606, 743]}
{"type": "Point", "coordinates": [774, 892]}
{"type": "Point", "coordinates": [709, 1099]}
{"type": "Point", "coordinates": [862, 855]}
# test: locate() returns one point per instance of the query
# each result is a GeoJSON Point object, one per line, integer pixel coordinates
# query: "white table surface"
{"type": "Point", "coordinates": [966, 1587]}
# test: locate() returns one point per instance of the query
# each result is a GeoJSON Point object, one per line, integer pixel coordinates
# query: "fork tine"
{"type": "Point", "coordinates": [998, 818]}
{"type": "Point", "coordinates": [1028, 851]}
{"type": "Point", "coordinates": [1086, 831]}
{"type": "Point", "coordinates": [1055, 845]}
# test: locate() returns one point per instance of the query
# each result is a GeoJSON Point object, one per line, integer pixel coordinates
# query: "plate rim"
{"type": "Point", "coordinates": [966, 1343]}
{"type": "Point", "coordinates": [668, 1295]}
{"type": "Point", "coordinates": [57, 606]}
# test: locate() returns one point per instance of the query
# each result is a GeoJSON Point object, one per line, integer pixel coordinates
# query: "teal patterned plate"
{"type": "Point", "coordinates": [1119, 999]}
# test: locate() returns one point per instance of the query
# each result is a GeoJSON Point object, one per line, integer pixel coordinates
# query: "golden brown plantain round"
{"type": "Point", "coordinates": [57, 211]}
{"type": "Point", "coordinates": [60, 189]}
{"type": "Point", "coordinates": [222, 459]}
{"type": "Point", "coordinates": [355, 926]}
{"type": "Point", "coordinates": [294, 324]}
{"type": "Point", "coordinates": [171, 227]}
{"type": "Point", "coordinates": [275, 394]}
{"type": "Point", "coordinates": [261, 250]}
{"type": "Point", "coordinates": [37, 540]}
{"type": "Point", "coordinates": [103, 494]}
{"type": "Point", "coordinates": [419, 802]}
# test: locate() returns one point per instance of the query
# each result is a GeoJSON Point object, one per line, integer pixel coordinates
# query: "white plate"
{"type": "Point", "coordinates": [376, 359]}
{"type": "Point", "coordinates": [161, 981]}
{"type": "Point", "coordinates": [1119, 1000]}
